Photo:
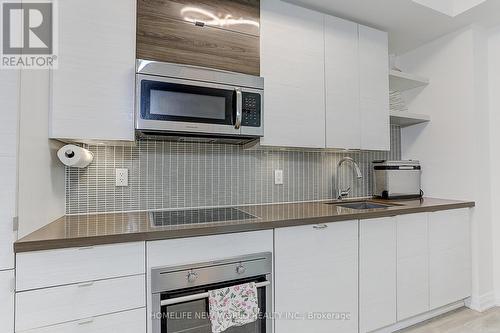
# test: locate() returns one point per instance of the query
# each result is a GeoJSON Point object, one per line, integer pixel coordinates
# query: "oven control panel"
{"type": "Point", "coordinates": [251, 110]}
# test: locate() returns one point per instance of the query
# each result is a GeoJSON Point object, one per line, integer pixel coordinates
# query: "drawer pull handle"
{"type": "Point", "coordinates": [320, 226]}
{"type": "Point", "coordinates": [86, 322]}
{"type": "Point", "coordinates": [87, 284]}
{"type": "Point", "coordinates": [85, 248]}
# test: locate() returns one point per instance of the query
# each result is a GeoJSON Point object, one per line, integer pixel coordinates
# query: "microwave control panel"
{"type": "Point", "coordinates": [251, 110]}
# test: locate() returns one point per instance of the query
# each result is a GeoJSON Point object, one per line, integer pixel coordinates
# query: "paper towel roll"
{"type": "Point", "coordinates": [74, 156]}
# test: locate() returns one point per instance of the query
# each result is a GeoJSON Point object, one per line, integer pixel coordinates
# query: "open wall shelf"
{"type": "Point", "coordinates": [405, 119]}
{"type": "Point", "coordinates": [401, 81]}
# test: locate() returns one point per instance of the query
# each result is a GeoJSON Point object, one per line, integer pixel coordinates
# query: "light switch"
{"type": "Point", "coordinates": [278, 177]}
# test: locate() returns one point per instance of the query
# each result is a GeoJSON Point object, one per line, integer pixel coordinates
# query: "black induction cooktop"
{"type": "Point", "coordinates": [196, 216]}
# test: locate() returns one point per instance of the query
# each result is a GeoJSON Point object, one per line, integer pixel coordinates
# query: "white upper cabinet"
{"type": "Point", "coordinates": [292, 63]}
{"type": "Point", "coordinates": [343, 126]}
{"type": "Point", "coordinates": [374, 89]}
{"type": "Point", "coordinates": [327, 80]}
{"type": "Point", "coordinates": [93, 88]}
{"type": "Point", "coordinates": [357, 86]}
{"type": "Point", "coordinates": [9, 97]}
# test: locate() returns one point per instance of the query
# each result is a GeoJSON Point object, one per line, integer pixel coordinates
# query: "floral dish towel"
{"type": "Point", "coordinates": [233, 306]}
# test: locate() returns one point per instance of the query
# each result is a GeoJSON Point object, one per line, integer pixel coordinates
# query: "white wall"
{"type": "Point", "coordinates": [41, 175]}
{"type": "Point", "coordinates": [494, 107]}
{"type": "Point", "coordinates": [9, 104]}
{"type": "Point", "coordinates": [454, 147]}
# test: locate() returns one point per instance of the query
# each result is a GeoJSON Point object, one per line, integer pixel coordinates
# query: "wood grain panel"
{"type": "Point", "coordinates": [162, 38]}
{"type": "Point", "coordinates": [234, 15]}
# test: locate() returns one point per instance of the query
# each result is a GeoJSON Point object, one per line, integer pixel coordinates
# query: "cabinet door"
{"type": "Point", "coordinates": [9, 96]}
{"type": "Point", "coordinates": [377, 273]}
{"type": "Point", "coordinates": [343, 128]}
{"type": "Point", "coordinates": [374, 89]}
{"type": "Point", "coordinates": [94, 84]}
{"type": "Point", "coordinates": [316, 271]}
{"type": "Point", "coordinates": [166, 32]}
{"type": "Point", "coordinates": [292, 63]}
{"type": "Point", "coordinates": [450, 257]}
{"type": "Point", "coordinates": [7, 301]}
{"type": "Point", "coordinates": [215, 13]}
{"type": "Point", "coordinates": [412, 265]}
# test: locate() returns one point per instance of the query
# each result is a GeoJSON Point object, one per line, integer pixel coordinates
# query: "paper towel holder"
{"type": "Point", "coordinates": [74, 156]}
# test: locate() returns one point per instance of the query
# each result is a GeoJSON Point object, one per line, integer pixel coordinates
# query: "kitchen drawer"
{"type": "Point", "coordinates": [43, 269]}
{"type": "Point", "coordinates": [51, 306]}
{"type": "Point", "coordinates": [133, 321]}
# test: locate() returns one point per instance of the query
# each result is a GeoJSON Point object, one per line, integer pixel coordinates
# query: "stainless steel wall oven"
{"type": "Point", "coordinates": [180, 294]}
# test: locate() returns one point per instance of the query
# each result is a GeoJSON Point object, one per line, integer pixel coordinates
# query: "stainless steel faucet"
{"type": "Point", "coordinates": [340, 192]}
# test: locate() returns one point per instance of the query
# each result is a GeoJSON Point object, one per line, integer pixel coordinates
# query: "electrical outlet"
{"type": "Point", "coordinates": [121, 177]}
{"type": "Point", "coordinates": [278, 177]}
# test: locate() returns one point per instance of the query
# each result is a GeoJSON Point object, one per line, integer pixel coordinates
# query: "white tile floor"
{"type": "Point", "coordinates": [461, 321]}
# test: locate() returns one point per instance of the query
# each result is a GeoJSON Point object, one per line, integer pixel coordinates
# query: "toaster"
{"type": "Point", "coordinates": [397, 179]}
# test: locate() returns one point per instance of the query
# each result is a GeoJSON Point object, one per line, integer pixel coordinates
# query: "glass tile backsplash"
{"type": "Point", "coordinates": [166, 175]}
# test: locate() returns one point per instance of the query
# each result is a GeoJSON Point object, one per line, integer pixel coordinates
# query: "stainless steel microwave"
{"type": "Point", "coordinates": [180, 101]}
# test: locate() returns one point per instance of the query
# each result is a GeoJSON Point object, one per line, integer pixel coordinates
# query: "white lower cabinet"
{"type": "Point", "coordinates": [413, 265]}
{"type": "Point", "coordinates": [450, 257]}
{"type": "Point", "coordinates": [50, 306]}
{"type": "Point", "coordinates": [133, 321]}
{"type": "Point", "coordinates": [57, 288]}
{"type": "Point", "coordinates": [377, 273]}
{"type": "Point", "coordinates": [7, 301]}
{"type": "Point", "coordinates": [316, 272]}
{"type": "Point", "coordinates": [42, 269]}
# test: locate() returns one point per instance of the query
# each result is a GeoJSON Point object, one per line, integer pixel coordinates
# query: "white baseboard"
{"type": "Point", "coordinates": [483, 302]}
{"type": "Point", "coordinates": [421, 318]}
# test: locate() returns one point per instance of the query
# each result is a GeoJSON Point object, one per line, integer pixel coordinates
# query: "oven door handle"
{"type": "Point", "coordinates": [195, 297]}
{"type": "Point", "coordinates": [239, 108]}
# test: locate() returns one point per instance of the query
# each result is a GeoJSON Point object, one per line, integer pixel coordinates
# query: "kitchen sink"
{"type": "Point", "coordinates": [361, 205]}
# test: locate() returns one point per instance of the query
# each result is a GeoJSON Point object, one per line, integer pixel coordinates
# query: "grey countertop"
{"type": "Point", "coordinates": [97, 229]}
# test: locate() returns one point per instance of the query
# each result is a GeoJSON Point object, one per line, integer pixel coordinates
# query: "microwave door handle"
{"type": "Point", "coordinates": [239, 108]}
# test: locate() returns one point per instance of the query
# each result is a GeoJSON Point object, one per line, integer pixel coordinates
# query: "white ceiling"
{"type": "Point", "coordinates": [450, 7]}
{"type": "Point", "coordinates": [409, 24]}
